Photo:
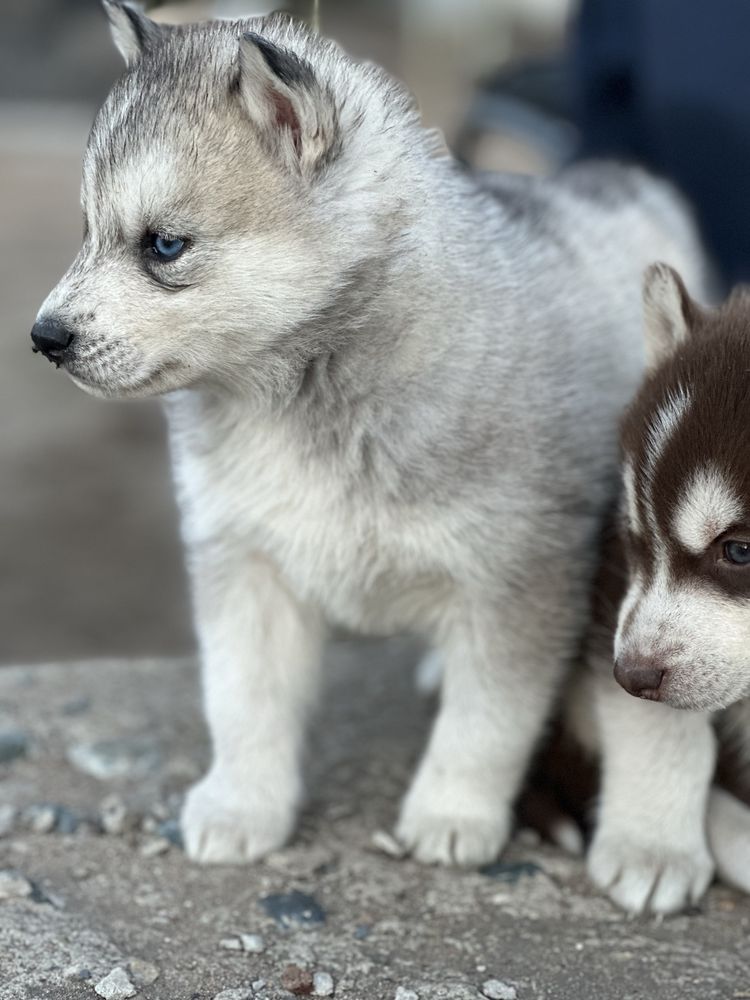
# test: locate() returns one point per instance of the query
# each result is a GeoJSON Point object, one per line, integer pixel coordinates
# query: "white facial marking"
{"type": "Point", "coordinates": [708, 506]}
{"type": "Point", "coordinates": [660, 431]}
{"type": "Point", "coordinates": [631, 506]}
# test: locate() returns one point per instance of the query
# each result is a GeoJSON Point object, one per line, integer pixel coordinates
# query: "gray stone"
{"type": "Point", "coordinates": [495, 989]}
{"type": "Point", "coordinates": [153, 847]}
{"type": "Point", "coordinates": [234, 995]}
{"type": "Point", "coordinates": [143, 973]}
{"type": "Point", "coordinates": [293, 908]}
{"type": "Point", "coordinates": [404, 994]}
{"type": "Point", "coordinates": [253, 944]}
{"type": "Point", "coordinates": [78, 970]}
{"type": "Point", "coordinates": [231, 944]}
{"type": "Point", "coordinates": [14, 885]}
{"type": "Point", "coordinates": [8, 816]}
{"type": "Point", "coordinates": [121, 758]}
{"type": "Point", "coordinates": [41, 818]}
{"type": "Point", "coordinates": [257, 985]}
{"type": "Point", "coordinates": [323, 984]}
{"type": "Point", "coordinates": [116, 986]}
{"type": "Point", "coordinates": [113, 815]}
{"type": "Point", "coordinates": [14, 743]}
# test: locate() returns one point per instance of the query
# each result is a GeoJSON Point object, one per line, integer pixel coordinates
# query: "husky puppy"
{"type": "Point", "coordinates": [392, 392]}
{"type": "Point", "coordinates": [683, 627]}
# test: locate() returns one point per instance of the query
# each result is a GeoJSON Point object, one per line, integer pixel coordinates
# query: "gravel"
{"type": "Point", "coordinates": [122, 758]}
{"type": "Point", "coordinates": [297, 981]}
{"type": "Point", "coordinates": [8, 816]}
{"type": "Point", "coordinates": [116, 986]}
{"type": "Point", "coordinates": [14, 885]}
{"type": "Point", "coordinates": [323, 985]}
{"type": "Point", "coordinates": [294, 908]}
{"type": "Point", "coordinates": [113, 815]}
{"type": "Point", "coordinates": [253, 944]}
{"type": "Point", "coordinates": [496, 989]}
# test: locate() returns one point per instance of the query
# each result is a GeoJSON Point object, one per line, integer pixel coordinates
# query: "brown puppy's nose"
{"type": "Point", "coordinates": [640, 676]}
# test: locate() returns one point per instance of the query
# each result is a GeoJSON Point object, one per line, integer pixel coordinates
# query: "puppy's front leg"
{"type": "Point", "coordinates": [261, 654]}
{"type": "Point", "coordinates": [496, 693]}
{"type": "Point", "coordinates": [649, 851]}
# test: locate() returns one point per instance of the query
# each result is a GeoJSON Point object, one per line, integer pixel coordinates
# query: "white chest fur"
{"type": "Point", "coordinates": [371, 564]}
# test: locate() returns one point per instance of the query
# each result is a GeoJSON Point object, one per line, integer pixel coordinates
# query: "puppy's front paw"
{"type": "Point", "coordinates": [660, 877]}
{"type": "Point", "coordinates": [438, 826]}
{"type": "Point", "coordinates": [227, 824]}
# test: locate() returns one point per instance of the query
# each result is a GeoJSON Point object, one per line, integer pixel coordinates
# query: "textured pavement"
{"type": "Point", "coordinates": [102, 901]}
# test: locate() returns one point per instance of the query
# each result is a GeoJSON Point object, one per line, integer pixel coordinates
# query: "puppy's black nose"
{"type": "Point", "coordinates": [51, 338]}
{"type": "Point", "coordinates": [640, 676]}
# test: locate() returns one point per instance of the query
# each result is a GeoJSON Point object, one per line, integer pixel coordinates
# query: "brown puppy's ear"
{"type": "Point", "coordinates": [669, 313]}
{"type": "Point", "coordinates": [293, 112]}
{"type": "Point", "coordinates": [132, 31]}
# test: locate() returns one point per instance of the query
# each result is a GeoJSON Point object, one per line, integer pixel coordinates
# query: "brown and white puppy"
{"type": "Point", "coordinates": [682, 635]}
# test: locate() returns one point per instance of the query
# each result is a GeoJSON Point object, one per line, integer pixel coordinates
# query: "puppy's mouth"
{"type": "Point", "coordinates": [113, 386]}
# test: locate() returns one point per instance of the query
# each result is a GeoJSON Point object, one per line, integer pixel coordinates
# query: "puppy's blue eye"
{"type": "Point", "coordinates": [737, 553]}
{"type": "Point", "coordinates": [166, 248]}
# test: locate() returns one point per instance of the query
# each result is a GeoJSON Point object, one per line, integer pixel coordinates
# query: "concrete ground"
{"type": "Point", "coordinates": [74, 736]}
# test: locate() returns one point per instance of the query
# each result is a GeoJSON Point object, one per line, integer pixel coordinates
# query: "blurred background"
{"type": "Point", "coordinates": [91, 561]}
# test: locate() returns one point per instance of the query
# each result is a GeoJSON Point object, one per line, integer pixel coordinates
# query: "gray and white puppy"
{"type": "Point", "coordinates": [392, 392]}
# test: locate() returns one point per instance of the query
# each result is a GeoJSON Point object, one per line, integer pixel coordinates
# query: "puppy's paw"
{"type": "Point", "coordinates": [224, 824]}
{"type": "Point", "coordinates": [445, 829]}
{"type": "Point", "coordinates": [660, 877]}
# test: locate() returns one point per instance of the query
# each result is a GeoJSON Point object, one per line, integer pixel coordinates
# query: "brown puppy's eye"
{"type": "Point", "coordinates": [737, 553]}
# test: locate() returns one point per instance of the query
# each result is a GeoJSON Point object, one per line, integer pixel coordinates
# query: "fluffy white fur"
{"type": "Point", "coordinates": [392, 392]}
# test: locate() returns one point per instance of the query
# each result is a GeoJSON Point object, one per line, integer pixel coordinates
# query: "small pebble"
{"type": "Point", "coordinates": [155, 846]}
{"type": "Point", "coordinates": [41, 818]}
{"type": "Point", "coordinates": [258, 985]}
{"type": "Point", "coordinates": [77, 971]}
{"type": "Point", "coordinates": [323, 984]}
{"type": "Point", "coordinates": [231, 944]}
{"type": "Point", "coordinates": [115, 758]}
{"type": "Point", "coordinates": [234, 995]}
{"type": "Point", "coordinates": [8, 816]}
{"type": "Point", "coordinates": [386, 843]}
{"type": "Point", "coordinates": [495, 989]}
{"type": "Point", "coordinates": [297, 981]}
{"type": "Point", "coordinates": [170, 830]}
{"type": "Point", "coordinates": [113, 815]}
{"type": "Point", "coordinates": [143, 973]}
{"type": "Point", "coordinates": [14, 885]}
{"type": "Point", "coordinates": [404, 994]}
{"type": "Point", "coordinates": [253, 944]}
{"type": "Point", "coordinates": [295, 907]}
{"type": "Point", "coordinates": [115, 986]}
{"type": "Point", "coordinates": [14, 743]}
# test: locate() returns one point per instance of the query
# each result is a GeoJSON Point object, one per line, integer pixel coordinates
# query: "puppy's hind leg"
{"type": "Point", "coordinates": [729, 837]}
{"type": "Point", "coordinates": [261, 653]}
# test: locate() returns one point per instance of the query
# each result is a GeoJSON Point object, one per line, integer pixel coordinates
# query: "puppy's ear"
{"type": "Point", "coordinates": [132, 31]}
{"type": "Point", "coordinates": [294, 114]}
{"type": "Point", "coordinates": [669, 313]}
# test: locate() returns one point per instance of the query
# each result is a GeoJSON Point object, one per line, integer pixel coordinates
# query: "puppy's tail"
{"type": "Point", "coordinates": [729, 837]}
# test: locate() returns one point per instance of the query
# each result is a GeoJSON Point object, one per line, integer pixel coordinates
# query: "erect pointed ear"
{"type": "Point", "coordinates": [669, 312]}
{"type": "Point", "coordinates": [295, 115]}
{"type": "Point", "coordinates": [132, 31]}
